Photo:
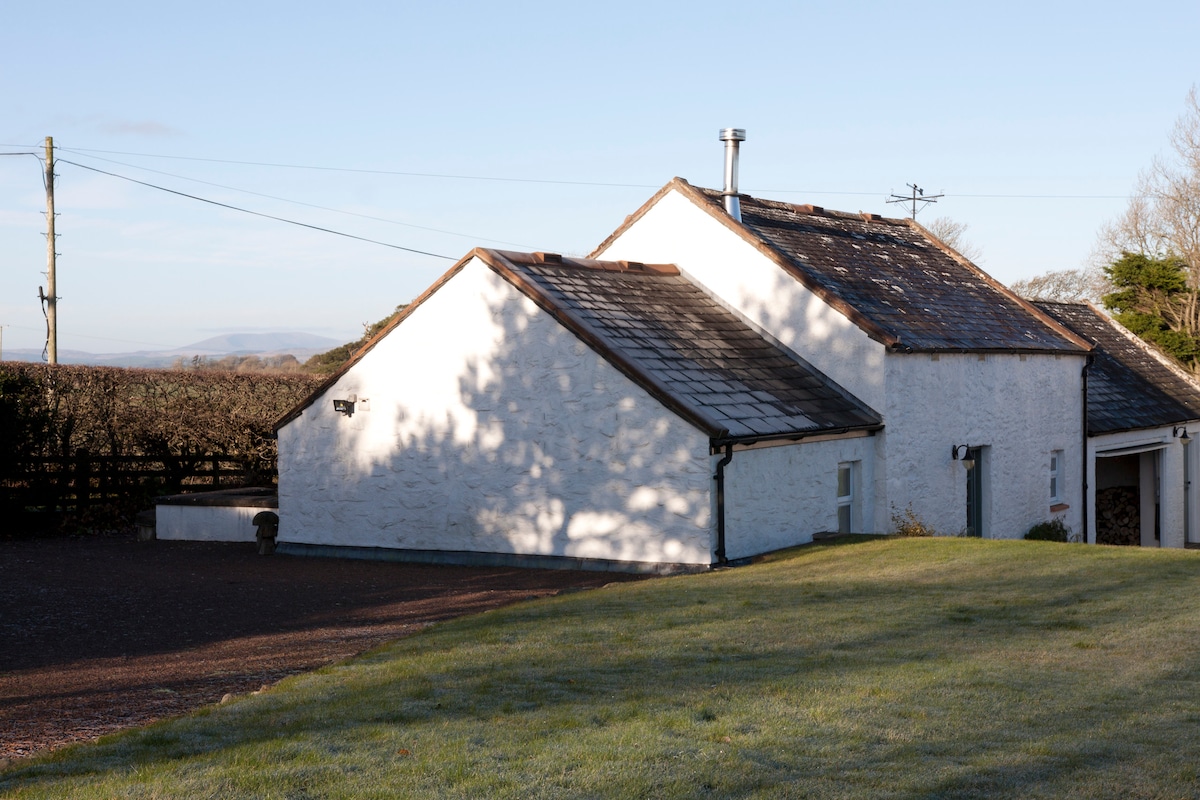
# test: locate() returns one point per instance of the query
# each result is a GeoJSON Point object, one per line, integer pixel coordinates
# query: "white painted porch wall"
{"type": "Point", "coordinates": [676, 232]}
{"type": "Point", "coordinates": [484, 425]}
{"type": "Point", "coordinates": [1171, 478]}
{"type": "Point", "coordinates": [1019, 409]}
{"type": "Point", "coordinates": [777, 497]}
{"type": "Point", "coordinates": [206, 523]}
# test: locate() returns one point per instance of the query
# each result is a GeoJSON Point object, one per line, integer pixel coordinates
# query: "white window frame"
{"type": "Point", "coordinates": [1056, 476]}
{"type": "Point", "coordinates": [847, 501]}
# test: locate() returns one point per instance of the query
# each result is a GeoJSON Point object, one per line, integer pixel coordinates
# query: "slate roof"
{"type": "Point", "coordinates": [684, 347]}
{"type": "Point", "coordinates": [1129, 385]}
{"type": "Point", "coordinates": [889, 276]}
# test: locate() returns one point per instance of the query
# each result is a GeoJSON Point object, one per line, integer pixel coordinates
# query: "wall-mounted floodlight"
{"type": "Point", "coordinates": [345, 406]}
{"type": "Point", "coordinates": [962, 452]}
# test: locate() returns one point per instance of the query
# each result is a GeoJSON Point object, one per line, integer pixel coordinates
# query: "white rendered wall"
{"type": "Point", "coordinates": [1172, 487]}
{"type": "Point", "coordinates": [483, 425]}
{"type": "Point", "coordinates": [206, 523]}
{"type": "Point", "coordinates": [777, 497]}
{"type": "Point", "coordinates": [1019, 408]}
{"type": "Point", "coordinates": [676, 231]}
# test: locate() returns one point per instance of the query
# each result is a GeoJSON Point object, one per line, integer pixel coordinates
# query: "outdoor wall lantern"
{"type": "Point", "coordinates": [962, 452]}
{"type": "Point", "coordinates": [1181, 434]}
{"type": "Point", "coordinates": [345, 406]}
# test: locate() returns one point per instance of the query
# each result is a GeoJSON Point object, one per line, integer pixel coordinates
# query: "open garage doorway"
{"type": "Point", "coordinates": [1127, 497]}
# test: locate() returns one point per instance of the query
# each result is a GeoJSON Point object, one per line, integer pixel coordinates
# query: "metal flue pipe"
{"type": "Point", "coordinates": [732, 137]}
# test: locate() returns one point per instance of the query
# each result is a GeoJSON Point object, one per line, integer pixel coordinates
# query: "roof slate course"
{"type": "Point", "coordinates": [896, 280]}
{"type": "Point", "coordinates": [1129, 386]}
{"type": "Point", "coordinates": [687, 344]}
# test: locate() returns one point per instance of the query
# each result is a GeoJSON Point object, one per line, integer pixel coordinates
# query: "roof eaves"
{"type": "Point", "coordinates": [500, 262]}
{"type": "Point", "coordinates": [984, 351]}
{"type": "Point", "coordinates": [1094, 434]}
{"type": "Point", "coordinates": [358, 355]}
{"type": "Point", "coordinates": [794, 436]}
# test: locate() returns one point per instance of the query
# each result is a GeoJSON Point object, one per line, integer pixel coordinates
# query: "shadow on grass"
{"type": "Point", "coordinates": [932, 668]}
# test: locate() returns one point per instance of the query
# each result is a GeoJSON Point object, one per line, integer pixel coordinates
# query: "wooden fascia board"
{"type": "Point", "coordinates": [358, 355]}
{"type": "Point", "coordinates": [1029, 307]}
{"type": "Point", "coordinates": [1182, 421]}
{"type": "Point", "coordinates": [990, 351]}
{"type": "Point", "coordinates": [649, 383]}
{"type": "Point", "coordinates": [749, 441]}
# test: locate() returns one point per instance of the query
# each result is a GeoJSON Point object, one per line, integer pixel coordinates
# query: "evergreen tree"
{"type": "Point", "coordinates": [1153, 300]}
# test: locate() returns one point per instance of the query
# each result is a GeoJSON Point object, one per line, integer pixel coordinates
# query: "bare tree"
{"type": "Point", "coordinates": [1162, 220]}
{"type": "Point", "coordinates": [951, 233]}
{"type": "Point", "coordinates": [1065, 286]}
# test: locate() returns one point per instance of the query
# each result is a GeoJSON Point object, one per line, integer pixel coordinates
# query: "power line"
{"type": "Point", "coordinates": [757, 191]}
{"type": "Point", "coordinates": [84, 150]}
{"type": "Point", "coordinates": [1053, 196]}
{"type": "Point", "coordinates": [257, 213]}
{"type": "Point", "coordinates": [765, 192]}
{"type": "Point", "coordinates": [307, 205]}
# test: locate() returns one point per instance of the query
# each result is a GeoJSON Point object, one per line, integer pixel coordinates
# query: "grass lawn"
{"type": "Point", "coordinates": [876, 668]}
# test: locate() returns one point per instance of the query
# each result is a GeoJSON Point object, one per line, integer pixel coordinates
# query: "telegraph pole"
{"type": "Point", "coordinates": [51, 298]}
{"type": "Point", "coordinates": [917, 196]}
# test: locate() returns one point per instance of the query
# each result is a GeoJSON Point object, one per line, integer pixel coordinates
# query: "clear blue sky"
{"type": "Point", "coordinates": [1032, 118]}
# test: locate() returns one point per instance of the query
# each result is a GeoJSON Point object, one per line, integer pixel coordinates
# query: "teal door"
{"type": "Point", "coordinates": [975, 492]}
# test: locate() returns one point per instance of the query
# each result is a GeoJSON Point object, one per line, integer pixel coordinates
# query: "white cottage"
{"type": "Point", "coordinates": [961, 370]}
{"type": "Point", "coordinates": [722, 377]}
{"type": "Point", "coordinates": [535, 409]}
{"type": "Point", "coordinates": [1140, 460]}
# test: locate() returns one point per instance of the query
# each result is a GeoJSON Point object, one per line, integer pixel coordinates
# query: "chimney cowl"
{"type": "Point", "coordinates": [732, 137]}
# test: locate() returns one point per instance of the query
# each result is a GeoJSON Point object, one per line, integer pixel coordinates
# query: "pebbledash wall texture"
{"type": "Point", "coordinates": [780, 496]}
{"type": "Point", "coordinates": [482, 425]}
{"type": "Point", "coordinates": [1019, 408]}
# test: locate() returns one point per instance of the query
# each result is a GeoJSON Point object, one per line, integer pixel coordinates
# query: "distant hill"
{"type": "Point", "coordinates": [263, 343]}
{"type": "Point", "coordinates": [301, 345]}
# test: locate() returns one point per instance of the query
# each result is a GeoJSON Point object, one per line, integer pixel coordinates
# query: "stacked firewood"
{"type": "Point", "coordinates": [1118, 518]}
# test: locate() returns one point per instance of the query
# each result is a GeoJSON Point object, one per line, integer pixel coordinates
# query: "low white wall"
{"type": "Point", "coordinates": [483, 425]}
{"type": "Point", "coordinates": [779, 496]}
{"type": "Point", "coordinates": [206, 523]}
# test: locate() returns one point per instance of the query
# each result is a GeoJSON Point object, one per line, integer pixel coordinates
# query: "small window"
{"type": "Point", "coordinates": [845, 499]}
{"type": "Point", "coordinates": [1056, 476]}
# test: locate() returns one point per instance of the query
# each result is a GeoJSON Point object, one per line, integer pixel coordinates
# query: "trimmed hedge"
{"type": "Point", "coordinates": [59, 410]}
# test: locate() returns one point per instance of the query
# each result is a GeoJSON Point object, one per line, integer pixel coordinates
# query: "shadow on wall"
{"type": "Point", "coordinates": [808, 326]}
{"type": "Point", "coordinates": [512, 436]}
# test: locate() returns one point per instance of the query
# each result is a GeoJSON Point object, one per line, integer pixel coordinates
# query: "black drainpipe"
{"type": "Point", "coordinates": [1086, 365]}
{"type": "Point", "coordinates": [720, 478]}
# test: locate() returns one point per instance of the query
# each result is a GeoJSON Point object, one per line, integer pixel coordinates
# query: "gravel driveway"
{"type": "Point", "coordinates": [101, 633]}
